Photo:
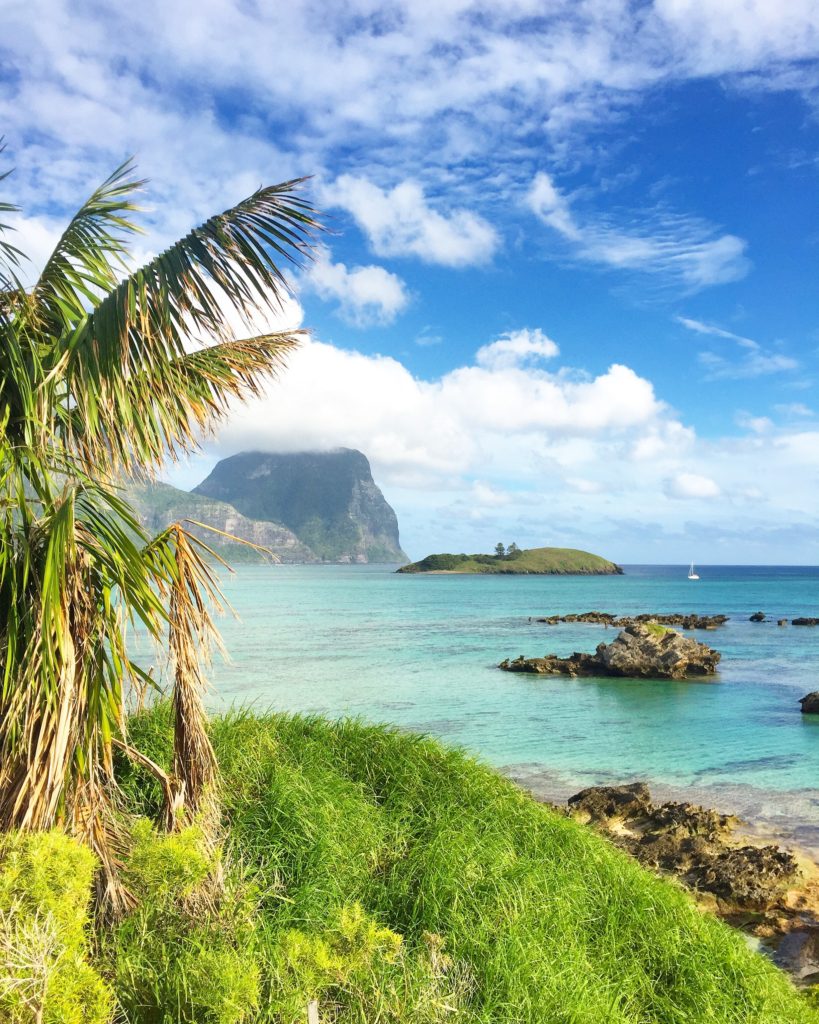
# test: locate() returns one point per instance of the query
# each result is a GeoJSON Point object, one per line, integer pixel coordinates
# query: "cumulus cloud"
{"type": "Point", "coordinates": [543, 456]}
{"type": "Point", "coordinates": [365, 295]}
{"type": "Point", "coordinates": [691, 485]}
{"type": "Point", "coordinates": [682, 248]}
{"type": "Point", "coordinates": [400, 222]}
{"type": "Point", "coordinates": [516, 348]}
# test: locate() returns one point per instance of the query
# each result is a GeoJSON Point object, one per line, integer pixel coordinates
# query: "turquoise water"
{"type": "Point", "coordinates": [422, 651]}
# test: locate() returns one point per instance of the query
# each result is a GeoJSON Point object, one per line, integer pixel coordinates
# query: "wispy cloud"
{"type": "Point", "coordinates": [755, 361]}
{"type": "Point", "coordinates": [681, 248]}
{"type": "Point", "coordinates": [427, 86]}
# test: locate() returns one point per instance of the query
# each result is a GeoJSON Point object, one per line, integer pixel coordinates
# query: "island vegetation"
{"type": "Point", "coordinates": [160, 868]}
{"type": "Point", "coordinates": [518, 561]}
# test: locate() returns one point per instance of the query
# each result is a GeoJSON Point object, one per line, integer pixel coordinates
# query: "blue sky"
{"type": "Point", "coordinates": [569, 290]}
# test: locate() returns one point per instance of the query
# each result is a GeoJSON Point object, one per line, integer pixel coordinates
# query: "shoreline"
{"type": "Point", "coordinates": [787, 817]}
{"type": "Point", "coordinates": [787, 931]}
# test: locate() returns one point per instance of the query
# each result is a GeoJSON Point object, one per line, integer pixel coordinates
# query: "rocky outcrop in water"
{"type": "Point", "coordinates": [810, 703]}
{"type": "Point", "coordinates": [757, 617]}
{"type": "Point", "coordinates": [685, 621]}
{"type": "Point", "coordinates": [804, 621]}
{"type": "Point", "coordinates": [638, 652]}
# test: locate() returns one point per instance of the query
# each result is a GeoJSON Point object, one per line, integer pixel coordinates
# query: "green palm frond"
{"type": "Point", "coordinates": [143, 329]}
{"type": "Point", "coordinates": [137, 421]}
{"type": "Point", "coordinates": [90, 256]}
{"type": "Point", "coordinates": [10, 255]}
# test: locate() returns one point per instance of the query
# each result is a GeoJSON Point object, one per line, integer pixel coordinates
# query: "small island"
{"type": "Point", "coordinates": [519, 562]}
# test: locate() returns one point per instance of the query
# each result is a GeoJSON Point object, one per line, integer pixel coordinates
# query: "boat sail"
{"type": "Point", "coordinates": [691, 574]}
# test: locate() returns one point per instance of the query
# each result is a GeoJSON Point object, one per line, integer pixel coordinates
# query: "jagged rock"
{"type": "Point", "coordinates": [810, 703]}
{"type": "Point", "coordinates": [601, 803]}
{"type": "Point", "coordinates": [669, 852]}
{"type": "Point", "coordinates": [757, 617]}
{"type": "Point", "coordinates": [690, 841]}
{"type": "Point", "coordinates": [638, 652]}
{"type": "Point", "coordinates": [685, 620]}
{"type": "Point", "coordinates": [576, 665]}
{"type": "Point", "coordinates": [750, 876]}
{"type": "Point", "coordinates": [804, 622]}
{"type": "Point", "coordinates": [692, 820]}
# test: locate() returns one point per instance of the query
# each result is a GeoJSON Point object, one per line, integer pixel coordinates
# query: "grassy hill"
{"type": "Point", "coordinates": [398, 881]}
{"type": "Point", "coordinates": [551, 561]}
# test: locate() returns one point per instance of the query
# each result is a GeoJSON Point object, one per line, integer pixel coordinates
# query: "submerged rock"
{"type": "Point", "coordinates": [803, 621]}
{"type": "Point", "coordinates": [688, 620]}
{"type": "Point", "coordinates": [757, 617]}
{"type": "Point", "coordinates": [810, 703]}
{"type": "Point", "coordinates": [640, 651]}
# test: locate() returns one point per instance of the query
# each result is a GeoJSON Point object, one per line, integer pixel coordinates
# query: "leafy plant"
{"type": "Point", "coordinates": [45, 973]}
{"type": "Point", "coordinates": [106, 371]}
{"type": "Point", "coordinates": [187, 952]}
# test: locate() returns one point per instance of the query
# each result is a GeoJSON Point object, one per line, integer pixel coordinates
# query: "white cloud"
{"type": "Point", "coordinates": [700, 327]}
{"type": "Point", "coordinates": [427, 87]}
{"type": "Point", "coordinates": [682, 248]}
{"type": "Point", "coordinates": [794, 410]}
{"type": "Point", "coordinates": [366, 295]}
{"type": "Point", "coordinates": [542, 457]}
{"type": "Point", "coordinates": [691, 485]}
{"type": "Point", "coordinates": [754, 362]}
{"type": "Point", "coordinates": [718, 36]}
{"type": "Point", "coordinates": [756, 424]}
{"type": "Point", "coordinates": [516, 348]}
{"type": "Point", "coordinates": [400, 222]}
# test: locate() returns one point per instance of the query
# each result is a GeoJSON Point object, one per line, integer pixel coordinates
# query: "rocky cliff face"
{"type": "Point", "coordinates": [159, 505]}
{"type": "Point", "coordinates": [329, 500]}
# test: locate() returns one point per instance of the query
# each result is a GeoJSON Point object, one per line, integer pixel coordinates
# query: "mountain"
{"type": "Point", "coordinates": [328, 499]}
{"type": "Point", "coordinates": [534, 561]}
{"type": "Point", "coordinates": [159, 505]}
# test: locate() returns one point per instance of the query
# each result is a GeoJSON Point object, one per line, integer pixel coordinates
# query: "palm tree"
{"type": "Point", "coordinates": [104, 373]}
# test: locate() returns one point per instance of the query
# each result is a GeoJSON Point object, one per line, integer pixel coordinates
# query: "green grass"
{"type": "Point", "coordinates": [557, 561]}
{"type": "Point", "coordinates": [510, 913]}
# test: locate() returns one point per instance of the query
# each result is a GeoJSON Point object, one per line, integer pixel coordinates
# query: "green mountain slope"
{"type": "Point", "coordinates": [546, 561]}
{"type": "Point", "coordinates": [328, 499]}
{"type": "Point", "coordinates": [158, 505]}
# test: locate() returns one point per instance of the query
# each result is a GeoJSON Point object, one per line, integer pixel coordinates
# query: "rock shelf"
{"type": "Point", "coordinates": [688, 620]}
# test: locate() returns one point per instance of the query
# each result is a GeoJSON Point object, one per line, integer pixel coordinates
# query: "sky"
{"type": "Point", "coordinates": [567, 290]}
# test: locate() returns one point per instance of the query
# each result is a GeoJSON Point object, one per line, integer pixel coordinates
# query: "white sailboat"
{"type": "Point", "coordinates": [691, 574]}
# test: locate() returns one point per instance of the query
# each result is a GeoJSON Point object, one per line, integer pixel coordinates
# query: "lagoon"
{"type": "Point", "coordinates": [422, 651]}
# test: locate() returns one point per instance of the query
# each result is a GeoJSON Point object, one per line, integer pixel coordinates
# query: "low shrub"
{"type": "Point", "coordinates": [187, 952]}
{"type": "Point", "coordinates": [46, 976]}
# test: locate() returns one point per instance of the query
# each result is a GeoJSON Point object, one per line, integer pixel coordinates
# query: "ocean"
{"type": "Point", "coordinates": [422, 651]}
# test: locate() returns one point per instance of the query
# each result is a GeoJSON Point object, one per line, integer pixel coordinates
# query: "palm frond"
{"type": "Point", "coordinates": [89, 258]}
{"type": "Point", "coordinates": [162, 411]}
{"type": "Point", "coordinates": [142, 330]}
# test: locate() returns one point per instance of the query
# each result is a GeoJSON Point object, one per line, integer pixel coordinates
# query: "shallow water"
{"type": "Point", "coordinates": [422, 651]}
